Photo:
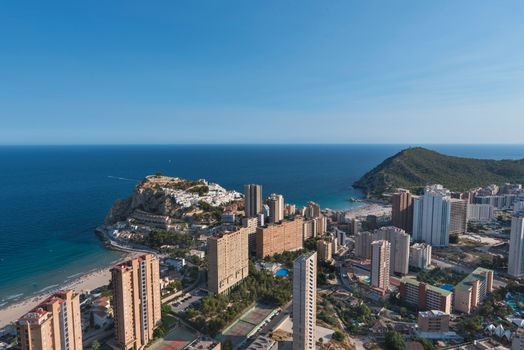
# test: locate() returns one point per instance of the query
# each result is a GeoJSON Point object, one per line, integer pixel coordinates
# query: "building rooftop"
{"type": "Point", "coordinates": [262, 342]}
{"type": "Point", "coordinates": [129, 263]}
{"type": "Point", "coordinates": [303, 257]}
{"type": "Point", "coordinates": [432, 313]}
{"type": "Point", "coordinates": [40, 312]}
{"type": "Point", "coordinates": [36, 314]}
{"type": "Point", "coordinates": [416, 283]}
{"type": "Point", "coordinates": [478, 275]}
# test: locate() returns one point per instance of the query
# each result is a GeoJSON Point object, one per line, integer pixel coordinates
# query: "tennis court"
{"type": "Point", "coordinates": [257, 315]}
{"type": "Point", "coordinates": [239, 331]}
{"type": "Point", "coordinates": [175, 339]}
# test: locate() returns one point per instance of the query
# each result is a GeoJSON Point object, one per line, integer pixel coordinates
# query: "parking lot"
{"type": "Point", "coordinates": [184, 301]}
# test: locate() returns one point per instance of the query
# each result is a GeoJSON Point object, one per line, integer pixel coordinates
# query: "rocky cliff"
{"type": "Point", "coordinates": [145, 198]}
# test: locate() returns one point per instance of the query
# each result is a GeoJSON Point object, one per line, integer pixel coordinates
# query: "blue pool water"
{"type": "Point", "coordinates": [447, 287]}
{"type": "Point", "coordinates": [282, 272]}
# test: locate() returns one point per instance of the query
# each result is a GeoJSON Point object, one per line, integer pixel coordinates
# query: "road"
{"type": "Point", "coordinates": [271, 325]}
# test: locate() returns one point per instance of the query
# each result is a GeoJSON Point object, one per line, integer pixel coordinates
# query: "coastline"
{"type": "Point", "coordinates": [84, 283]}
{"type": "Point", "coordinates": [99, 277]}
{"type": "Point", "coordinates": [369, 208]}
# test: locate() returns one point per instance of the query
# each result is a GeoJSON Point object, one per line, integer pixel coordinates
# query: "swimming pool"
{"type": "Point", "coordinates": [449, 287]}
{"type": "Point", "coordinates": [282, 272]}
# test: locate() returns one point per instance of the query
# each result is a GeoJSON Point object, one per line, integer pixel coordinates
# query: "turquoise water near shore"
{"type": "Point", "coordinates": [53, 197]}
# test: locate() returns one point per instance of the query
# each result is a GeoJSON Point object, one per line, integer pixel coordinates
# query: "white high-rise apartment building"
{"type": "Point", "coordinates": [305, 302]}
{"type": "Point", "coordinates": [516, 245]}
{"type": "Point", "coordinates": [420, 255]}
{"type": "Point", "coordinates": [399, 253]}
{"type": "Point", "coordinates": [431, 216]}
{"type": "Point", "coordinates": [480, 212]}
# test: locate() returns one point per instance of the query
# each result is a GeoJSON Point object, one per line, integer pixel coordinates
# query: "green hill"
{"type": "Point", "coordinates": [414, 168]}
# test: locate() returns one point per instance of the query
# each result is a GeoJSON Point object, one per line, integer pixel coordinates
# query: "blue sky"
{"type": "Point", "coordinates": [104, 72]}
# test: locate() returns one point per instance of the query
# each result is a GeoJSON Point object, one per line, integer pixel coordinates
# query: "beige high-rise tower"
{"type": "Point", "coordinates": [305, 301]}
{"type": "Point", "coordinates": [55, 324]}
{"type": "Point", "coordinates": [136, 304]}
{"type": "Point", "coordinates": [325, 250]}
{"type": "Point", "coordinates": [281, 237]}
{"type": "Point", "coordinates": [228, 261]}
{"type": "Point", "coordinates": [380, 251]}
{"type": "Point", "coordinates": [363, 242]}
{"type": "Point", "coordinates": [276, 208]}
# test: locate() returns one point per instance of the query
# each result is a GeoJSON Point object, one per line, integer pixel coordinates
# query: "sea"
{"type": "Point", "coordinates": [53, 197]}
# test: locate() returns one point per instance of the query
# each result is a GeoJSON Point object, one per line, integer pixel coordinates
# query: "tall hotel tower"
{"type": "Point", "coordinates": [52, 325]}
{"type": "Point", "coordinates": [402, 210]}
{"type": "Point", "coordinates": [253, 200]}
{"type": "Point", "coordinates": [432, 216]}
{"type": "Point", "coordinates": [228, 260]}
{"type": "Point", "coordinates": [305, 301]}
{"type": "Point", "coordinates": [516, 245]}
{"type": "Point", "coordinates": [399, 253]}
{"type": "Point", "coordinates": [380, 254]}
{"type": "Point", "coordinates": [276, 208]}
{"type": "Point", "coordinates": [136, 305]}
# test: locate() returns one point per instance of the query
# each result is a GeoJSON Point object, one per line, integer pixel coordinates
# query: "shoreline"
{"type": "Point", "coordinates": [92, 279]}
{"type": "Point", "coordinates": [369, 208]}
{"type": "Point", "coordinates": [83, 283]}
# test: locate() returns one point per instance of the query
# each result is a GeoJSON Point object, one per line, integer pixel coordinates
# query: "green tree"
{"type": "Point", "coordinates": [165, 309]}
{"type": "Point", "coordinates": [394, 341]}
{"type": "Point", "coordinates": [469, 326]}
{"type": "Point", "coordinates": [159, 332]}
{"type": "Point", "coordinates": [95, 345]}
{"type": "Point", "coordinates": [338, 336]}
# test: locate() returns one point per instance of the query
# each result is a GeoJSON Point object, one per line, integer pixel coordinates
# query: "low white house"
{"type": "Point", "coordinates": [177, 263]}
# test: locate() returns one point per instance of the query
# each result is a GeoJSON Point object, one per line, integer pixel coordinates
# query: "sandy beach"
{"type": "Point", "coordinates": [369, 209]}
{"type": "Point", "coordinates": [84, 283]}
